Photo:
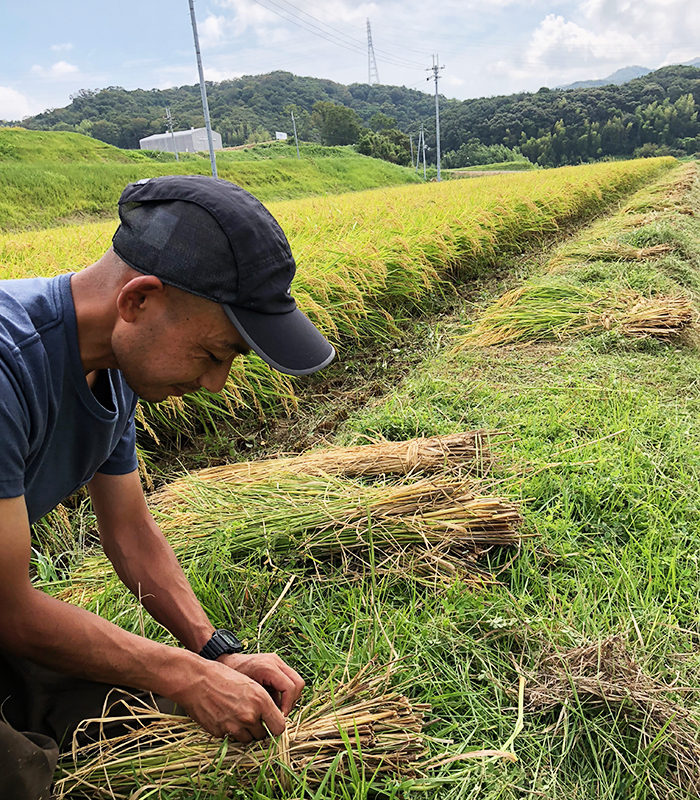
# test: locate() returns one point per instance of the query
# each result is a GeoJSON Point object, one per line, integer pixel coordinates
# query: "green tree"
{"type": "Point", "coordinates": [337, 124]}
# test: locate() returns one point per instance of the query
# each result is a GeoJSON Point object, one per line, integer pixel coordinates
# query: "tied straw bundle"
{"type": "Point", "coordinates": [557, 311]}
{"type": "Point", "coordinates": [361, 723]}
{"type": "Point", "coordinates": [429, 530]}
{"type": "Point", "coordinates": [462, 453]}
{"type": "Point", "coordinates": [362, 726]}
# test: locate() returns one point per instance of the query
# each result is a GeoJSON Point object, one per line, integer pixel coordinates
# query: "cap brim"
{"type": "Point", "coordinates": [289, 343]}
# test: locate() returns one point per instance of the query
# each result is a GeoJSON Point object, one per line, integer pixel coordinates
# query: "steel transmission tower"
{"type": "Point", "coordinates": [372, 71]}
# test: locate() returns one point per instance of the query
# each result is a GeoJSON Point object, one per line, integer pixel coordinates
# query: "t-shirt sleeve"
{"type": "Point", "coordinates": [14, 433]}
{"type": "Point", "coordinates": [123, 458]}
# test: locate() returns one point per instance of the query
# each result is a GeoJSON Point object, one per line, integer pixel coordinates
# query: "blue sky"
{"type": "Point", "coordinates": [49, 50]}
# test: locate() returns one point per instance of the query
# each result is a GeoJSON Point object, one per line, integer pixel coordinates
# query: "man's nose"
{"type": "Point", "coordinates": [214, 379]}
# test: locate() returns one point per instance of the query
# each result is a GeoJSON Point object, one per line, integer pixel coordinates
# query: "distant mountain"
{"type": "Point", "coordinates": [617, 78]}
{"type": "Point", "coordinates": [621, 76]}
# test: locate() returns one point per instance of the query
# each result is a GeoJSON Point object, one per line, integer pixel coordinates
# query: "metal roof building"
{"type": "Point", "coordinates": [191, 141]}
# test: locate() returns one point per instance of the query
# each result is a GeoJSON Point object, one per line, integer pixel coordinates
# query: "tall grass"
{"type": "Point", "coordinates": [367, 259]}
{"type": "Point", "coordinates": [602, 280]}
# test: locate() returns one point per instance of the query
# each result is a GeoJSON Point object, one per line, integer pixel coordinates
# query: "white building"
{"type": "Point", "coordinates": [191, 141]}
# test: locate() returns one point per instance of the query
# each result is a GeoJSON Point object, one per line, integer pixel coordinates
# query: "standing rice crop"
{"type": "Point", "coordinates": [367, 259]}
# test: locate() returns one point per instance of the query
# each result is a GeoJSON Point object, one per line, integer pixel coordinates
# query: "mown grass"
{"type": "Point", "coordinates": [606, 446]}
{"type": "Point", "coordinates": [49, 181]}
{"type": "Point", "coordinates": [368, 260]}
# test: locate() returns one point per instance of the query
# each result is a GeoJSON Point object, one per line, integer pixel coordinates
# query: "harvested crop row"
{"type": "Point", "coordinates": [570, 300]}
{"type": "Point", "coordinates": [366, 259]}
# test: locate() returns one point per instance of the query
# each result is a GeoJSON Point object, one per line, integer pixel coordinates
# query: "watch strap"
{"type": "Point", "coordinates": [222, 642]}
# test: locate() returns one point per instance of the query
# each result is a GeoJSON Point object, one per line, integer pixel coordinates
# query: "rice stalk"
{"type": "Point", "coordinates": [554, 311]}
{"type": "Point", "coordinates": [460, 453]}
{"type": "Point", "coordinates": [362, 721]}
{"type": "Point", "coordinates": [365, 259]}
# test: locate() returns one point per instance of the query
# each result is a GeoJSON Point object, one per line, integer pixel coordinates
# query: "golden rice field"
{"type": "Point", "coordinates": [366, 258]}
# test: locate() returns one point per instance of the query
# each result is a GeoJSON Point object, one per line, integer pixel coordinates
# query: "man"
{"type": "Point", "coordinates": [199, 272]}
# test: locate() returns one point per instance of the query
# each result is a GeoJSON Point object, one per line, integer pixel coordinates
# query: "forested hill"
{"type": "Point", "coordinates": [246, 109]}
{"type": "Point", "coordinates": [653, 114]}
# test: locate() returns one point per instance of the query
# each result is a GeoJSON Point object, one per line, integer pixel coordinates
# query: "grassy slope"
{"type": "Point", "coordinates": [48, 178]}
{"type": "Point", "coordinates": [618, 523]}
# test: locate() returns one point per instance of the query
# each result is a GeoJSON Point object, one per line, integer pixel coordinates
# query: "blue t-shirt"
{"type": "Point", "coordinates": [54, 432]}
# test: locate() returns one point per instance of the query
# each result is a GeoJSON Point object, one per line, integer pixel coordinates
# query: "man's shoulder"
{"type": "Point", "coordinates": [28, 307]}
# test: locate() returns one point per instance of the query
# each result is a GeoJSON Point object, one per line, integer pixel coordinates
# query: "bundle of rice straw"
{"type": "Point", "coordinates": [362, 721]}
{"type": "Point", "coordinates": [437, 528]}
{"type": "Point", "coordinates": [605, 674]}
{"type": "Point", "coordinates": [557, 311]}
{"type": "Point", "coordinates": [429, 530]}
{"type": "Point", "coordinates": [461, 453]}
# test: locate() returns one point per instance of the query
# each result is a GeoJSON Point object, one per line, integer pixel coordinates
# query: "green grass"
{"type": "Point", "coordinates": [368, 260]}
{"type": "Point", "coordinates": [51, 178]}
{"type": "Point", "coordinates": [18, 145]}
{"type": "Point", "coordinates": [606, 447]}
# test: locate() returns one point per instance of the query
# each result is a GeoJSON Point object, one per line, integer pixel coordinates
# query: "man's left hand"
{"type": "Point", "coordinates": [281, 681]}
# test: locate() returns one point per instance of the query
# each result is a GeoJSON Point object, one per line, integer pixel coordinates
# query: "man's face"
{"type": "Point", "coordinates": [176, 344]}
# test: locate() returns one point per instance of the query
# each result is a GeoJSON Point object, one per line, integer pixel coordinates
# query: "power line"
{"type": "Point", "coordinates": [346, 35]}
{"type": "Point", "coordinates": [351, 44]}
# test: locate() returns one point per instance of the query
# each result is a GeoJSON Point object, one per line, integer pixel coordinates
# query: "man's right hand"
{"type": "Point", "coordinates": [227, 703]}
{"type": "Point", "coordinates": [69, 639]}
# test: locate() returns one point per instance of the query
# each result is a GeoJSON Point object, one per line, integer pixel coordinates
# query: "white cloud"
{"type": "Point", "coordinates": [58, 71]}
{"type": "Point", "coordinates": [557, 43]}
{"type": "Point", "coordinates": [61, 48]}
{"type": "Point", "coordinates": [216, 75]}
{"type": "Point", "coordinates": [13, 104]}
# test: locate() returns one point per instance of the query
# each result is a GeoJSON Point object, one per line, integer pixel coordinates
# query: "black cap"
{"type": "Point", "coordinates": [213, 239]}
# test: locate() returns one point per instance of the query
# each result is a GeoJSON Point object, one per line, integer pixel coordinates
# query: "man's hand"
{"type": "Point", "coordinates": [282, 683]}
{"type": "Point", "coordinates": [225, 702]}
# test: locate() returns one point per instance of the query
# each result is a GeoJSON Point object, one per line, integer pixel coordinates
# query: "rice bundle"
{"type": "Point", "coordinates": [360, 723]}
{"type": "Point", "coordinates": [605, 673]}
{"type": "Point", "coordinates": [605, 251]}
{"type": "Point", "coordinates": [444, 522]}
{"type": "Point", "coordinates": [556, 311]}
{"type": "Point", "coordinates": [432, 530]}
{"type": "Point", "coordinates": [457, 452]}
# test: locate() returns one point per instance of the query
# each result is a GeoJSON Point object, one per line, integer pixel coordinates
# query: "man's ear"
{"type": "Point", "coordinates": [137, 294]}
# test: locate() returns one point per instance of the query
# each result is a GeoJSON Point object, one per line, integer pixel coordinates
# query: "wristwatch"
{"type": "Point", "coordinates": [222, 642]}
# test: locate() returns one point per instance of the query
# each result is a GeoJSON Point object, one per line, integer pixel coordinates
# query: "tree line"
{"type": "Point", "coordinates": [655, 114]}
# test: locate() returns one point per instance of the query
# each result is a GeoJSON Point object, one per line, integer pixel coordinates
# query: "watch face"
{"type": "Point", "coordinates": [228, 639]}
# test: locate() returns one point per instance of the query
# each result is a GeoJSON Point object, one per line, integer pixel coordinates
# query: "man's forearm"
{"type": "Point", "coordinates": [74, 641]}
{"type": "Point", "coordinates": [146, 563]}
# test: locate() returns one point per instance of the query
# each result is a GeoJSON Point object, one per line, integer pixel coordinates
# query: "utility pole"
{"type": "Point", "coordinates": [436, 72]}
{"type": "Point", "coordinates": [172, 134]}
{"type": "Point", "coordinates": [418, 146]}
{"type": "Point", "coordinates": [410, 139]}
{"type": "Point", "coordinates": [295, 135]}
{"type": "Point", "coordinates": [372, 71]}
{"type": "Point", "coordinates": [202, 86]}
{"type": "Point", "coordinates": [422, 133]}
